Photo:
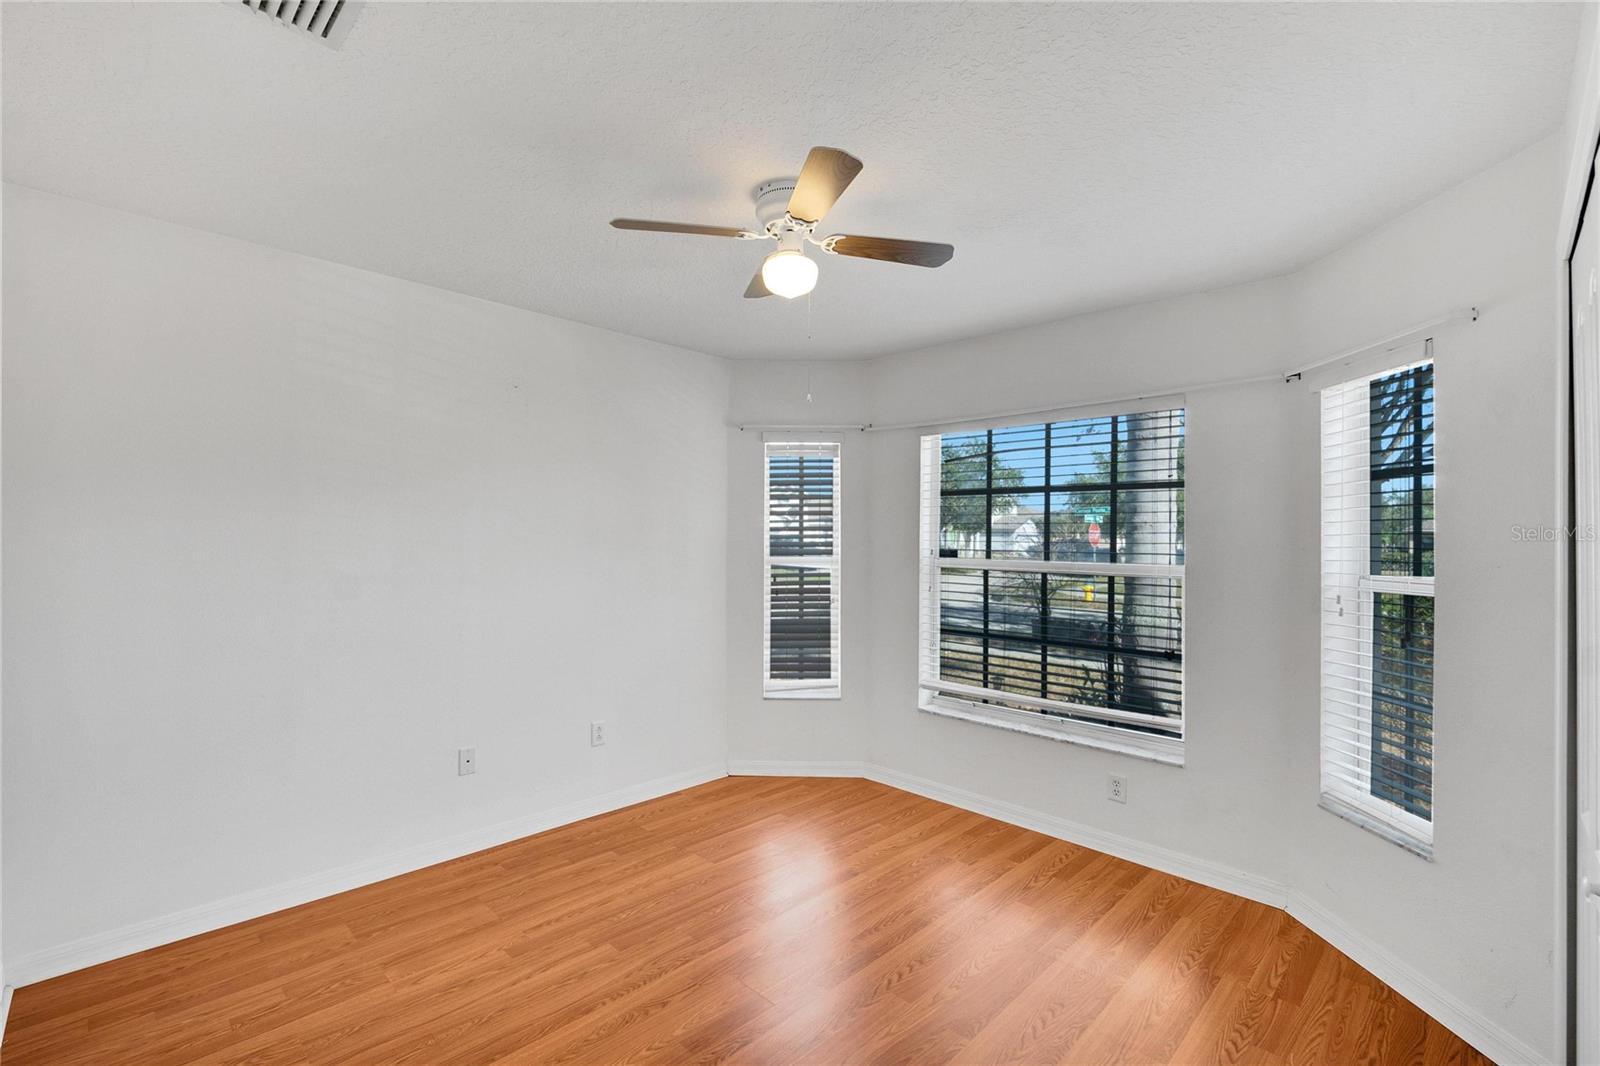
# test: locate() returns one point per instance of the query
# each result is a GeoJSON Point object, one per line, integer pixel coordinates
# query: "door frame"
{"type": "Point", "coordinates": [1567, 737]}
{"type": "Point", "coordinates": [1579, 187]}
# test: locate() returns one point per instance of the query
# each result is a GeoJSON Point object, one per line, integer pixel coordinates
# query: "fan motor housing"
{"type": "Point", "coordinates": [772, 200]}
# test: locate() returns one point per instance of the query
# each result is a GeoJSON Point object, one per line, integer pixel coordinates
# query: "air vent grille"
{"type": "Point", "coordinates": [326, 20]}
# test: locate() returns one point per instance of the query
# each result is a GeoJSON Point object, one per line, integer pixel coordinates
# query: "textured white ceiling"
{"type": "Point", "coordinates": [1077, 156]}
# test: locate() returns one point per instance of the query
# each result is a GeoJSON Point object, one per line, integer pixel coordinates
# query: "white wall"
{"type": "Point", "coordinates": [1241, 558]}
{"type": "Point", "coordinates": [1474, 933]}
{"type": "Point", "coordinates": [1581, 124]}
{"type": "Point", "coordinates": [1481, 919]}
{"type": "Point", "coordinates": [802, 734]}
{"type": "Point", "coordinates": [281, 535]}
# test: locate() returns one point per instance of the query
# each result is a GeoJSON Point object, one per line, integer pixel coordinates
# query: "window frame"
{"type": "Point", "coordinates": [832, 687]}
{"type": "Point", "coordinates": [951, 699]}
{"type": "Point", "coordinates": [1348, 791]}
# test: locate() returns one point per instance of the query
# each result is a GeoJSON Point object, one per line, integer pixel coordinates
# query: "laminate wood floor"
{"type": "Point", "coordinates": [761, 920]}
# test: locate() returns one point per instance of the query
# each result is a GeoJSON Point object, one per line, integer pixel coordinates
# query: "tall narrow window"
{"type": "Point", "coordinates": [1377, 602]}
{"type": "Point", "coordinates": [801, 649]}
{"type": "Point", "coordinates": [1052, 579]}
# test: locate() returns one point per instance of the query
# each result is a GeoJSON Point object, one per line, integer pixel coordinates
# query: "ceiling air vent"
{"type": "Point", "coordinates": [326, 20]}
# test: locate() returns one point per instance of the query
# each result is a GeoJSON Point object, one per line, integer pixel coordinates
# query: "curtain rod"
{"type": "Point", "coordinates": [1410, 333]}
{"type": "Point", "coordinates": [1394, 340]}
{"type": "Point", "coordinates": [860, 426]}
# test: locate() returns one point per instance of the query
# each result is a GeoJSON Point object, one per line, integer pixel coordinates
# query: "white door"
{"type": "Point", "coordinates": [1586, 446]}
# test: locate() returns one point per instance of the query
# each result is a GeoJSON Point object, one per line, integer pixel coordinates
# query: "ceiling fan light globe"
{"type": "Point", "coordinates": [789, 273]}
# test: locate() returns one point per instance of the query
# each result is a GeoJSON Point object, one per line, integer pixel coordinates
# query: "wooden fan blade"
{"type": "Point", "coordinates": [758, 288]}
{"type": "Point", "coordinates": [827, 173]}
{"type": "Point", "coordinates": [915, 253]}
{"type": "Point", "coordinates": [675, 227]}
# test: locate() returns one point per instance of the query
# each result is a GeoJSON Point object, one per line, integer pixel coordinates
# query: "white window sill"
{"type": "Point", "coordinates": [1167, 750]}
{"type": "Point", "coordinates": [802, 694]}
{"type": "Point", "coordinates": [1354, 811]}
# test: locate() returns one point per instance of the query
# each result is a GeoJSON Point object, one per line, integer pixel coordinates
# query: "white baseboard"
{"type": "Point", "coordinates": [785, 768]}
{"type": "Point", "coordinates": [5, 1008]}
{"type": "Point", "coordinates": [1214, 874]}
{"type": "Point", "coordinates": [1440, 1005]}
{"type": "Point", "coordinates": [154, 932]}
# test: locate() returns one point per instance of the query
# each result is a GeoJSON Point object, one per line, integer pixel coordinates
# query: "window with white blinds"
{"type": "Point", "coordinates": [1377, 602]}
{"type": "Point", "coordinates": [800, 649]}
{"type": "Point", "coordinates": [1052, 562]}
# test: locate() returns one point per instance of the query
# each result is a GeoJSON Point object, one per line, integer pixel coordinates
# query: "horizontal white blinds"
{"type": "Point", "coordinates": [1377, 602]}
{"type": "Point", "coordinates": [800, 645]}
{"type": "Point", "coordinates": [1052, 569]}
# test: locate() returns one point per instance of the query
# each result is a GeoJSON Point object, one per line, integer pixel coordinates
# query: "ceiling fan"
{"type": "Point", "coordinates": [788, 210]}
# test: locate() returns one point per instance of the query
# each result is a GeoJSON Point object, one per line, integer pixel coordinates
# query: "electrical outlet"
{"type": "Point", "coordinates": [597, 734]}
{"type": "Point", "coordinates": [1117, 788]}
{"type": "Point", "coordinates": [466, 761]}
